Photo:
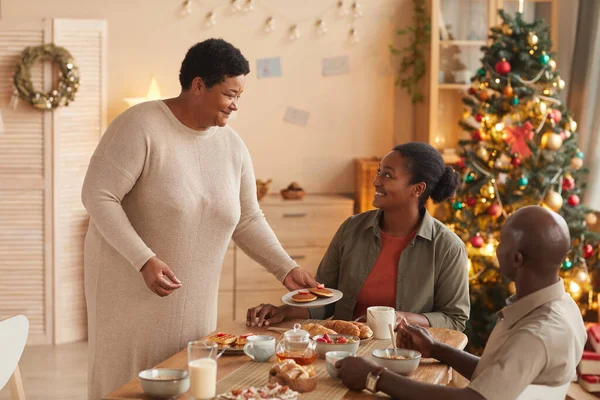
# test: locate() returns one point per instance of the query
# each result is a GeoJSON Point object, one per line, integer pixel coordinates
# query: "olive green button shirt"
{"type": "Point", "coordinates": [432, 271]}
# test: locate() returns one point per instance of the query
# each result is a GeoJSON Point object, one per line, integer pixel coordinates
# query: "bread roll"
{"type": "Point", "coordinates": [365, 331]}
{"type": "Point", "coordinates": [343, 327]}
{"type": "Point", "coordinates": [316, 329]}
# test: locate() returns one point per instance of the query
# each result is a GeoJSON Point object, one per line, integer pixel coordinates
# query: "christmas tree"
{"type": "Point", "coordinates": [522, 151]}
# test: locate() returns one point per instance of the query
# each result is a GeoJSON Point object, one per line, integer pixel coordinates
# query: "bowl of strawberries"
{"type": "Point", "coordinates": [331, 342]}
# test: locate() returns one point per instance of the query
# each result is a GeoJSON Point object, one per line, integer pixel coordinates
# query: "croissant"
{"type": "Point", "coordinates": [343, 327]}
{"type": "Point", "coordinates": [316, 329]}
{"type": "Point", "coordinates": [365, 331]}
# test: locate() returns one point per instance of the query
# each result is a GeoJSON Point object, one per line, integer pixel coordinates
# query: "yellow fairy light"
{"type": "Point", "coordinates": [531, 52]}
{"type": "Point", "coordinates": [583, 276]}
{"type": "Point", "coordinates": [574, 290]}
{"type": "Point", "coordinates": [499, 126]}
{"type": "Point", "coordinates": [497, 80]}
{"type": "Point", "coordinates": [546, 92]}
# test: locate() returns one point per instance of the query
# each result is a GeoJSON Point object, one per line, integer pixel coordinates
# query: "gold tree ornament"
{"type": "Point", "coordinates": [571, 125]}
{"type": "Point", "coordinates": [483, 154]}
{"type": "Point", "coordinates": [561, 84]}
{"type": "Point", "coordinates": [576, 163]}
{"type": "Point", "coordinates": [591, 219]}
{"type": "Point", "coordinates": [553, 201]}
{"type": "Point", "coordinates": [532, 39]}
{"type": "Point", "coordinates": [552, 65]}
{"type": "Point", "coordinates": [488, 191]}
{"type": "Point", "coordinates": [68, 77]}
{"type": "Point", "coordinates": [507, 30]}
{"type": "Point", "coordinates": [551, 141]}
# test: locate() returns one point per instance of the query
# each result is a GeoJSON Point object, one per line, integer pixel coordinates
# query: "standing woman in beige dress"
{"type": "Point", "coordinates": [169, 185]}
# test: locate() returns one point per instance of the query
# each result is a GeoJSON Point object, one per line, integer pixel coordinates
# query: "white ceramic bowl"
{"type": "Point", "coordinates": [333, 357]}
{"type": "Point", "coordinates": [323, 348]}
{"type": "Point", "coordinates": [403, 366]}
{"type": "Point", "coordinates": [164, 383]}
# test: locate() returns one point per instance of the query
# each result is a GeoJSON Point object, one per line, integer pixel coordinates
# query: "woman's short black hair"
{"type": "Point", "coordinates": [427, 165]}
{"type": "Point", "coordinates": [213, 60]}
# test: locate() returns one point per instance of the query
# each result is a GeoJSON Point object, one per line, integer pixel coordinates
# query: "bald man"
{"type": "Point", "coordinates": [538, 338]}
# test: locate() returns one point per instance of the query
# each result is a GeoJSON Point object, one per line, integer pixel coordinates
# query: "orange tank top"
{"type": "Point", "coordinates": [380, 288]}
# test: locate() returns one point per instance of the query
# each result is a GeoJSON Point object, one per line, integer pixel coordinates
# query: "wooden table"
{"type": "Point", "coordinates": [429, 371]}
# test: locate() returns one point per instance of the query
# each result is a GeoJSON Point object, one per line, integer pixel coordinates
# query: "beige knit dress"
{"type": "Point", "coordinates": [157, 187]}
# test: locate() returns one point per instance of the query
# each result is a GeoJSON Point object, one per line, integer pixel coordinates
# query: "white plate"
{"type": "Point", "coordinates": [319, 302]}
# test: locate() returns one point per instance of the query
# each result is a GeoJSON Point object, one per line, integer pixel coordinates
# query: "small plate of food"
{"type": "Point", "coordinates": [312, 297]}
{"type": "Point", "coordinates": [231, 344]}
{"type": "Point", "coordinates": [271, 391]}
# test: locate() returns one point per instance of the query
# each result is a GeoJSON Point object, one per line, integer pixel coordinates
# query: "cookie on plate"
{"type": "Point", "coordinates": [321, 291]}
{"type": "Point", "coordinates": [304, 296]}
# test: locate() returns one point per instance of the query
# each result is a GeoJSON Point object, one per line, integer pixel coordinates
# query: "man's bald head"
{"type": "Point", "coordinates": [534, 237]}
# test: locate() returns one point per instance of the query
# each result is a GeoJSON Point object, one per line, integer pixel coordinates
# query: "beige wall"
{"type": "Point", "coordinates": [351, 115]}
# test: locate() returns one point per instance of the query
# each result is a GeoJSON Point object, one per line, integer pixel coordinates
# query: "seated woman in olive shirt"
{"type": "Point", "coordinates": [398, 255]}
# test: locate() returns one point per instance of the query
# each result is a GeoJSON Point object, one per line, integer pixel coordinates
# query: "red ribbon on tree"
{"type": "Point", "coordinates": [518, 136]}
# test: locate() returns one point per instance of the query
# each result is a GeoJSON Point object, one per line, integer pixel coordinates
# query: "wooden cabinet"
{"type": "Point", "coordinates": [304, 228]}
{"type": "Point", "coordinates": [43, 161]}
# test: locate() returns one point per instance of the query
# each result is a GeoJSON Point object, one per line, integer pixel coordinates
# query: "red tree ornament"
{"type": "Point", "coordinates": [556, 116]}
{"type": "Point", "coordinates": [471, 201]}
{"type": "Point", "coordinates": [573, 200]}
{"type": "Point", "coordinates": [477, 241]}
{"type": "Point", "coordinates": [588, 250]}
{"type": "Point", "coordinates": [516, 161]}
{"type": "Point", "coordinates": [503, 67]}
{"type": "Point", "coordinates": [494, 210]}
{"type": "Point", "coordinates": [476, 135]}
{"type": "Point", "coordinates": [478, 117]}
{"type": "Point", "coordinates": [568, 183]}
{"type": "Point", "coordinates": [461, 163]}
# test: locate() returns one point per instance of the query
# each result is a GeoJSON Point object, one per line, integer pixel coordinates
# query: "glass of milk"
{"type": "Point", "coordinates": [202, 365]}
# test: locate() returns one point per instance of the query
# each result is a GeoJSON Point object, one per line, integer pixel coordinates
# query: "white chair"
{"type": "Point", "coordinates": [13, 336]}
{"type": "Point", "coordinates": [539, 392]}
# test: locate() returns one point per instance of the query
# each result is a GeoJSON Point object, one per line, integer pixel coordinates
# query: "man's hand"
{"type": "Point", "coordinates": [155, 273]}
{"type": "Point", "coordinates": [299, 278]}
{"type": "Point", "coordinates": [415, 337]}
{"type": "Point", "coordinates": [353, 371]}
{"type": "Point", "coordinates": [264, 314]}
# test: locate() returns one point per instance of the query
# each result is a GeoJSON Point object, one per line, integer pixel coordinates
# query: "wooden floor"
{"type": "Point", "coordinates": [60, 373]}
{"type": "Point", "coordinates": [53, 372]}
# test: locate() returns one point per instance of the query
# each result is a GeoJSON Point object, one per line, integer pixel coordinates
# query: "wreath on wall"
{"type": "Point", "coordinates": [68, 77]}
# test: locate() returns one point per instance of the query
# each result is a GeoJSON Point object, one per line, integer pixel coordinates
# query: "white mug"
{"type": "Point", "coordinates": [260, 347]}
{"type": "Point", "coordinates": [379, 318]}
